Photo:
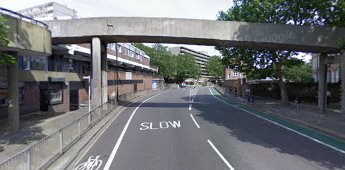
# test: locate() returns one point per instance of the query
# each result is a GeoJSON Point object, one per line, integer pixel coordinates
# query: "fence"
{"type": "Point", "coordinates": [44, 152]}
{"type": "Point", "coordinates": [292, 109]}
{"type": "Point", "coordinates": [22, 17]}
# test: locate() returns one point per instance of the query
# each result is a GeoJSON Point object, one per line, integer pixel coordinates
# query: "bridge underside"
{"type": "Point", "coordinates": [197, 41]}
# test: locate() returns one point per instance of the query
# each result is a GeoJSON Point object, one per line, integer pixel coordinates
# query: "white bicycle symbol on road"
{"type": "Point", "coordinates": [93, 163]}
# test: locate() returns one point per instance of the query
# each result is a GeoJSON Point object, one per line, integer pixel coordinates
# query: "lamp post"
{"type": "Point", "coordinates": [89, 80]}
{"type": "Point", "coordinates": [117, 71]}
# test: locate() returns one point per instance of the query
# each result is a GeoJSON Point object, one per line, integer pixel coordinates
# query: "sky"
{"type": "Point", "coordinates": [192, 9]}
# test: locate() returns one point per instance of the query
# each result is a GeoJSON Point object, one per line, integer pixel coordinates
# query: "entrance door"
{"type": "Point", "coordinates": [74, 100]}
{"type": "Point", "coordinates": [135, 87]}
{"type": "Point", "coordinates": [154, 85]}
{"type": "Point", "coordinates": [44, 100]}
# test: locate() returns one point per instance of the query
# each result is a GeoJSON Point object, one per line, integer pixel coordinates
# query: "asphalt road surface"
{"type": "Point", "coordinates": [189, 128]}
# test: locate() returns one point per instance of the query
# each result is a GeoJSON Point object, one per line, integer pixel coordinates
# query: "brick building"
{"type": "Point", "coordinates": [55, 83]}
{"type": "Point", "coordinates": [231, 74]}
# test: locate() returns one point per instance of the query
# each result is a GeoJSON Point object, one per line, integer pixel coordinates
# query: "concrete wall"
{"type": "Point", "coordinates": [27, 38]}
{"type": "Point", "coordinates": [36, 75]}
{"type": "Point", "coordinates": [198, 32]}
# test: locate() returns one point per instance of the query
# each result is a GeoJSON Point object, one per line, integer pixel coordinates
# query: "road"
{"type": "Point", "coordinates": [189, 128]}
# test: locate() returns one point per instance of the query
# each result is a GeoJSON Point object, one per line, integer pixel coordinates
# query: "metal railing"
{"type": "Point", "coordinates": [22, 17]}
{"type": "Point", "coordinates": [292, 109]}
{"type": "Point", "coordinates": [40, 154]}
{"type": "Point", "coordinates": [55, 144]}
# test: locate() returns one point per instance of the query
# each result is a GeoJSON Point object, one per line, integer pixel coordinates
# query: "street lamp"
{"type": "Point", "coordinates": [89, 79]}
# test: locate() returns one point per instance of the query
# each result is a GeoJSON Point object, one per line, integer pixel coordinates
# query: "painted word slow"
{"type": "Point", "coordinates": [160, 125]}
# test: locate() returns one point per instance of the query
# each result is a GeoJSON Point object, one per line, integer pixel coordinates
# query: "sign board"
{"type": "Point", "coordinates": [128, 75]}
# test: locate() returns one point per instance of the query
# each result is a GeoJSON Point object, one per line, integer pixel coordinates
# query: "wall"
{"type": "Point", "coordinates": [125, 87]}
{"type": "Point", "coordinates": [31, 101]}
{"type": "Point", "coordinates": [29, 37]}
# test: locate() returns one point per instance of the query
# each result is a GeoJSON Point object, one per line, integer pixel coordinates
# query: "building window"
{"type": "Point", "coordinates": [21, 95]}
{"type": "Point", "coordinates": [38, 63]}
{"type": "Point", "coordinates": [32, 63]}
{"type": "Point", "coordinates": [119, 48]}
{"type": "Point", "coordinates": [235, 73]}
{"type": "Point", "coordinates": [56, 93]}
{"type": "Point", "coordinates": [23, 63]}
{"type": "Point", "coordinates": [337, 76]}
{"type": "Point", "coordinates": [328, 77]}
{"type": "Point", "coordinates": [127, 52]}
{"type": "Point", "coordinates": [139, 57]}
{"type": "Point", "coordinates": [229, 76]}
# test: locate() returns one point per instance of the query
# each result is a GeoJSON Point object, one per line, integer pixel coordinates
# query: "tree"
{"type": "Point", "coordinates": [162, 58]}
{"type": "Point", "coordinates": [5, 58]}
{"type": "Point", "coordinates": [215, 67]}
{"type": "Point", "coordinates": [176, 68]}
{"type": "Point", "coordinates": [187, 67]}
{"type": "Point", "coordinates": [298, 73]}
{"type": "Point", "coordinates": [264, 63]}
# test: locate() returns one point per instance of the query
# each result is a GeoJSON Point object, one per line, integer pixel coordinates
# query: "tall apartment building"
{"type": "Point", "coordinates": [200, 57]}
{"type": "Point", "coordinates": [49, 11]}
{"type": "Point", "coordinates": [333, 70]}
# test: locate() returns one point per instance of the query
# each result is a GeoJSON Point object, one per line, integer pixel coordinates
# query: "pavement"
{"type": "Point", "coordinates": [332, 122]}
{"type": "Point", "coordinates": [197, 128]}
{"type": "Point", "coordinates": [33, 130]}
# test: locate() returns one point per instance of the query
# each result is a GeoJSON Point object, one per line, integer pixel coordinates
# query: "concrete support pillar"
{"type": "Point", "coordinates": [13, 85]}
{"type": "Point", "coordinates": [104, 68]}
{"type": "Point", "coordinates": [96, 76]}
{"type": "Point", "coordinates": [342, 74]}
{"type": "Point", "coordinates": [322, 75]}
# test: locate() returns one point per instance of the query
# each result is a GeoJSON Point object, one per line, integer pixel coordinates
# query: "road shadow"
{"type": "Point", "coordinates": [12, 143]}
{"type": "Point", "coordinates": [248, 128]}
{"type": "Point", "coordinates": [160, 105]}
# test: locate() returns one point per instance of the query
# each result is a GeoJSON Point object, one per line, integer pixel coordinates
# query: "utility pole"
{"type": "Point", "coordinates": [117, 72]}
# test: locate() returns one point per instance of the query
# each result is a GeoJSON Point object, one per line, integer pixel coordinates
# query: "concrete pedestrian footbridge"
{"type": "Point", "coordinates": [316, 39]}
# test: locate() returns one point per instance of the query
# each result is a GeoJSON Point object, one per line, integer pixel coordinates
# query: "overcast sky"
{"type": "Point", "coordinates": [197, 9]}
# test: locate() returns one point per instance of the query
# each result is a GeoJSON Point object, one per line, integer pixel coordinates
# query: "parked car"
{"type": "Point", "coordinates": [183, 85]}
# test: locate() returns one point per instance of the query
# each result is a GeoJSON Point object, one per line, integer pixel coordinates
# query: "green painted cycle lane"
{"type": "Point", "coordinates": [329, 141]}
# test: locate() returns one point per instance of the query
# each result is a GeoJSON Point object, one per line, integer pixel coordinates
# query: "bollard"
{"type": "Point", "coordinates": [61, 141]}
{"type": "Point", "coordinates": [297, 107]}
{"type": "Point", "coordinates": [89, 117]}
{"type": "Point", "coordinates": [29, 158]}
{"type": "Point", "coordinates": [320, 110]}
{"type": "Point", "coordinates": [99, 111]}
{"type": "Point", "coordinates": [79, 131]}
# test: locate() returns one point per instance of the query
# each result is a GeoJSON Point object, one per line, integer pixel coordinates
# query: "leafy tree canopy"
{"type": "Point", "coordinates": [5, 58]}
{"type": "Point", "coordinates": [187, 67]}
{"type": "Point", "coordinates": [178, 67]}
{"type": "Point", "coordinates": [215, 67]}
{"type": "Point", "coordinates": [298, 73]}
{"type": "Point", "coordinates": [261, 63]}
{"type": "Point", "coordinates": [160, 57]}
